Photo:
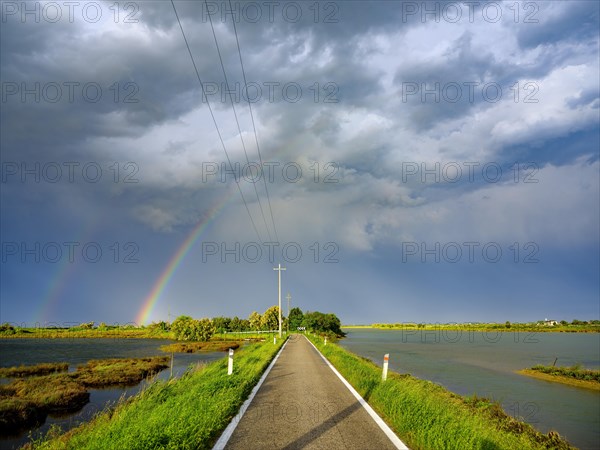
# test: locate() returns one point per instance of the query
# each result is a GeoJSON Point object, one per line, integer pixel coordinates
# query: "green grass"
{"type": "Point", "coordinates": [188, 413]}
{"type": "Point", "coordinates": [428, 416]}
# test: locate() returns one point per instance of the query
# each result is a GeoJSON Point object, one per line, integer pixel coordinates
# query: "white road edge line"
{"type": "Point", "coordinates": [378, 420]}
{"type": "Point", "coordinates": [224, 438]}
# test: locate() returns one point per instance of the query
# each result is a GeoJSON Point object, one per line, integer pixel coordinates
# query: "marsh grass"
{"type": "Point", "coordinates": [118, 371]}
{"type": "Point", "coordinates": [576, 372]}
{"type": "Point", "coordinates": [26, 401]}
{"type": "Point", "coordinates": [572, 376]}
{"type": "Point", "coordinates": [193, 347]}
{"type": "Point", "coordinates": [28, 371]}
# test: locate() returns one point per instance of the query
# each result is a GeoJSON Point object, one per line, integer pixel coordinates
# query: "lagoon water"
{"type": "Point", "coordinates": [479, 363]}
{"type": "Point", "coordinates": [14, 352]}
{"type": "Point", "coordinates": [467, 363]}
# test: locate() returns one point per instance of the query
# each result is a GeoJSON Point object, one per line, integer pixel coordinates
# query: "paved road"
{"type": "Point", "coordinates": [303, 404]}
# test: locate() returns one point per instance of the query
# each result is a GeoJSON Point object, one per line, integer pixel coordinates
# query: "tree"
{"type": "Point", "coordinates": [236, 324]}
{"type": "Point", "coordinates": [187, 329]}
{"type": "Point", "coordinates": [270, 319]}
{"type": "Point", "coordinates": [222, 324]}
{"type": "Point", "coordinates": [507, 324]}
{"type": "Point", "coordinates": [254, 320]}
{"type": "Point", "coordinates": [325, 323]}
{"type": "Point", "coordinates": [296, 318]}
{"type": "Point", "coordinates": [203, 329]}
{"type": "Point", "coordinates": [182, 328]}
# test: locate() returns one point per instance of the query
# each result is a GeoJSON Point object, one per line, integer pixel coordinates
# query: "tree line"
{"type": "Point", "coordinates": [189, 329]}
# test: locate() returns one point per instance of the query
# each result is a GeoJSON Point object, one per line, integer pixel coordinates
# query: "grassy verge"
{"type": "Point", "coordinates": [573, 376]}
{"type": "Point", "coordinates": [28, 371]}
{"type": "Point", "coordinates": [189, 413]}
{"type": "Point", "coordinates": [428, 416]}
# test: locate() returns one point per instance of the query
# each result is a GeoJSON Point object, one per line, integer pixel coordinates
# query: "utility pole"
{"type": "Point", "coordinates": [279, 269]}
{"type": "Point", "coordinates": [289, 297]}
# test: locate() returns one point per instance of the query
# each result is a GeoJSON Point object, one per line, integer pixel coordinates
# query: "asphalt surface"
{"type": "Point", "coordinates": [303, 404]}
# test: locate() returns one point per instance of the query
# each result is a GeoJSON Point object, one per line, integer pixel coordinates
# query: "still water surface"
{"type": "Point", "coordinates": [479, 363]}
{"type": "Point", "coordinates": [14, 352]}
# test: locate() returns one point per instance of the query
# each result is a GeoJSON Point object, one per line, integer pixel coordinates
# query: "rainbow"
{"type": "Point", "coordinates": [65, 270]}
{"type": "Point", "coordinates": [165, 276]}
{"type": "Point", "coordinates": [55, 290]}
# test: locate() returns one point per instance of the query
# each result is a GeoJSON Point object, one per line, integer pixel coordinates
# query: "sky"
{"type": "Point", "coordinates": [421, 161]}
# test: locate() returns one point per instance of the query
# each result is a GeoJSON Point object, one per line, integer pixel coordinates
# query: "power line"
{"type": "Point", "coordinates": [236, 116]}
{"type": "Point", "coordinates": [253, 124]}
{"type": "Point", "coordinates": [214, 119]}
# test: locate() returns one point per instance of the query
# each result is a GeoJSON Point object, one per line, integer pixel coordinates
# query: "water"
{"type": "Point", "coordinates": [470, 363]}
{"type": "Point", "coordinates": [14, 352]}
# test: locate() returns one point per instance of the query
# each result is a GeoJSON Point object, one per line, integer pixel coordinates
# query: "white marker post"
{"type": "Point", "coordinates": [274, 340]}
{"type": "Point", "coordinates": [230, 362]}
{"type": "Point", "coordinates": [386, 360]}
{"type": "Point", "coordinates": [325, 341]}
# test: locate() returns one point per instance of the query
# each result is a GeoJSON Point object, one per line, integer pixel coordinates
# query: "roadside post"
{"type": "Point", "coordinates": [386, 360]}
{"type": "Point", "coordinates": [230, 362]}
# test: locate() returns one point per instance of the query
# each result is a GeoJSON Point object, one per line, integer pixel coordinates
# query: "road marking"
{"type": "Point", "coordinates": [224, 438]}
{"type": "Point", "coordinates": [378, 420]}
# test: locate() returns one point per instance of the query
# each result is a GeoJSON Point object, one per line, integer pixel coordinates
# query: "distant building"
{"type": "Point", "coordinates": [550, 322]}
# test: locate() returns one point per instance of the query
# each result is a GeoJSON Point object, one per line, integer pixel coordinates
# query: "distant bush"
{"type": "Point", "coordinates": [7, 328]}
{"type": "Point", "coordinates": [159, 326]}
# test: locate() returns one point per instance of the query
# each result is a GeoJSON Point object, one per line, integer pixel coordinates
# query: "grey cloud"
{"type": "Point", "coordinates": [576, 20]}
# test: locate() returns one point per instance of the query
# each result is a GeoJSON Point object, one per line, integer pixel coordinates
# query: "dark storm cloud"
{"type": "Point", "coordinates": [366, 53]}
{"type": "Point", "coordinates": [574, 21]}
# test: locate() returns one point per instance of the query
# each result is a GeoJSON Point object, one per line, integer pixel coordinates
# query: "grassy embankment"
{"type": "Point", "coordinates": [531, 327]}
{"type": "Point", "coordinates": [425, 415]}
{"type": "Point", "coordinates": [46, 388]}
{"type": "Point", "coordinates": [188, 413]}
{"type": "Point", "coordinates": [573, 376]}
